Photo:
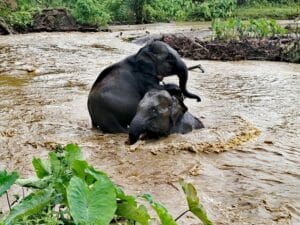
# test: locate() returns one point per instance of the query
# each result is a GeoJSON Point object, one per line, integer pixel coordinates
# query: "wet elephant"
{"type": "Point", "coordinates": [160, 113]}
{"type": "Point", "coordinates": [115, 95]}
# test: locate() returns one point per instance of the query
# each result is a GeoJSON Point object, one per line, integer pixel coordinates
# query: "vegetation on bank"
{"type": "Point", "coordinates": [237, 29]}
{"type": "Point", "coordinates": [67, 190]}
{"type": "Point", "coordinates": [101, 12]}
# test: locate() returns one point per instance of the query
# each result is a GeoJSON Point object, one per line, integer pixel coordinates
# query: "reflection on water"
{"type": "Point", "coordinates": [250, 109]}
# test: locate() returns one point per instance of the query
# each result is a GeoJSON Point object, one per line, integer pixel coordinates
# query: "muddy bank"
{"type": "Point", "coordinates": [50, 20]}
{"type": "Point", "coordinates": [285, 49]}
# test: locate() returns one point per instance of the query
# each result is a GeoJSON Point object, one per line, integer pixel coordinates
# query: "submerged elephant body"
{"type": "Point", "coordinates": [115, 95]}
{"type": "Point", "coordinates": [160, 113]}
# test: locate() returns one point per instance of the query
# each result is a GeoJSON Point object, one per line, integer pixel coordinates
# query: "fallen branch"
{"type": "Point", "coordinates": [195, 67]}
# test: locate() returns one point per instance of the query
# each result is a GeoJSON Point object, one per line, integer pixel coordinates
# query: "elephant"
{"type": "Point", "coordinates": [160, 113]}
{"type": "Point", "coordinates": [116, 93]}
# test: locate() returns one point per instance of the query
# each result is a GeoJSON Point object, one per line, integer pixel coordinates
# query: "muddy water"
{"type": "Point", "coordinates": [245, 163]}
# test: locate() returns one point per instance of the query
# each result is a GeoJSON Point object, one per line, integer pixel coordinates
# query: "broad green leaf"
{"type": "Point", "coordinates": [162, 212]}
{"type": "Point", "coordinates": [7, 180]}
{"type": "Point", "coordinates": [40, 168]}
{"type": "Point", "coordinates": [32, 204]}
{"type": "Point", "coordinates": [78, 167]}
{"type": "Point", "coordinates": [94, 205]}
{"type": "Point", "coordinates": [35, 182]}
{"type": "Point", "coordinates": [129, 211]}
{"type": "Point", "coordinates": [100, 176]}
{"type": "Point", "coordinates": [73, 152]}
{"type": "Point", "coordinates": [194, 203]}
{"type": "Point", "coordinates": [123, 197]}
{"type": "Point", "coordinates": [55, 164]}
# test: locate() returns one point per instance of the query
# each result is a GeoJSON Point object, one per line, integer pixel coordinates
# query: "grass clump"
{"type": "Point", "coordinates": [237, 29]}
{"type": "Point", "coordinates": [277, 11]}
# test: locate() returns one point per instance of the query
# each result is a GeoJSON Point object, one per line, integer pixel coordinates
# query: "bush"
{"type": "Point", "coordinates": [238, 29]}
{"type": "Point", "coordinates": [90, 12]}
{"type": "Point", "coordinates": [212, 9]}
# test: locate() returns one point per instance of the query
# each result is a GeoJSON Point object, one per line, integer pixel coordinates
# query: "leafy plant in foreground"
{"type": "Point", "coordinates": [67, 190]}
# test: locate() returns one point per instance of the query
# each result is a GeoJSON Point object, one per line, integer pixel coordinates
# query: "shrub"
{"type": "Point", "coordinates": [90, 12]}
{"type": "Point", "coordinates": [238, 29]}
{"type": "Point", "coordinates": [212, 9]}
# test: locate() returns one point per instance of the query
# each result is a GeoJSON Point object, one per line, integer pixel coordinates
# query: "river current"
{"type": "Point", "coordinates": [245, 164]}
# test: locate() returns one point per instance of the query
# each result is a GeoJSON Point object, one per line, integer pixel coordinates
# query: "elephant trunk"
{"type": "Point", "coordinates": [136, 129]}
{"type": "Point", "coordinates": [182, 72]}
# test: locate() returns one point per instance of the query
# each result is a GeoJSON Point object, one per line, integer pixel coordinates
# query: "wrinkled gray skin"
{"type": "Point", "coordinates": [115, 95]}
{"type": "Point", "coordinates": [159, 113]}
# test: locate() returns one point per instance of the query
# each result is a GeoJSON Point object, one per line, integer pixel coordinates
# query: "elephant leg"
{"type": "Point", "coordinates": [110, 124]}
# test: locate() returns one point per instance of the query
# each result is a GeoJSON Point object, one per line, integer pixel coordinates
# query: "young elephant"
{"type": "Point", "coordinates": [162, 112]}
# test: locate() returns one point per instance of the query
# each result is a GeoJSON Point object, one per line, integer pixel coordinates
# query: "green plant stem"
{"type": "Point", "coordinates": [181, 215]}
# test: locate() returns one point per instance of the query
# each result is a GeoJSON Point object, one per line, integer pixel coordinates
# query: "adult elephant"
{"type": "Point", "coordinates": [115, 95]}
{"type": "Point", "coordinates": [160, 113]}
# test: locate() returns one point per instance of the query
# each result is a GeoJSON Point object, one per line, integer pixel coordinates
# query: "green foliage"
{"type": "Point", "coordinates": [40, 168]}
{"type": "Point", "coordinates": [91, 205]}
{"type": "Point", "coordinates": [212, 9]}
{"type": "Point", "coordinates": [233, 29]}
{"type": "Point", "coordinates": [162, 212]}
{"type": "Point", "coordinates": [67, 190]}
{"type": "Point", "coordinates": [90, 12]}
{"type": "Point", "coordinates": [32, 204]}
{"type": "Point", "coordinates": [284, 11]}
{"type": "Point", "coordinates": [7, 180]}
{"type": "Point", "coordinates": [194, 203]}
{"type": "Point", "coordinates": [102, 12]}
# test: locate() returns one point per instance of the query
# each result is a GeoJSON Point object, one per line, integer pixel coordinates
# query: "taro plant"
{"type": "Point", "coordinates": [67, 190]}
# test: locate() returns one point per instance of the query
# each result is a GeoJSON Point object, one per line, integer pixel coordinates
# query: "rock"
{"type": "Point", "coordinates": [54, 20]}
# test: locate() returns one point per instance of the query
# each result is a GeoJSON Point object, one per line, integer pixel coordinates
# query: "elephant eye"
{"type": "Point", "coordinates": [154, 110]}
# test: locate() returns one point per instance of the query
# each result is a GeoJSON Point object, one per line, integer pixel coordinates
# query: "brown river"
{"type": "Point", "coordinates": [245, 164]}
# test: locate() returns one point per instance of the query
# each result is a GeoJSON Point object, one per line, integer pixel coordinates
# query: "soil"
{"type": "Point", "coordinates": [51, 20]}
{"type": "Point", "coordinates": [273, 49]}
{"type": "Point", "coordinates": [57, 20]}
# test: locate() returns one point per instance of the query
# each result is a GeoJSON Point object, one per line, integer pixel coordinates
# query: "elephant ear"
{"type": "Point", "coordinates": [178, 108]}
{"type": "Point", "coordinates": [146, 62]}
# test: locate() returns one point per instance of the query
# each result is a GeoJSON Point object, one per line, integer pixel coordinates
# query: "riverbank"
{"type": "Point", "coordinates": [26, 16]}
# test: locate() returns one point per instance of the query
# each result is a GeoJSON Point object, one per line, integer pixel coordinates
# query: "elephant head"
{"type": "Point", "coordinates": [157, 113]}
{"type": "Point", "coordinates": [160, 60]}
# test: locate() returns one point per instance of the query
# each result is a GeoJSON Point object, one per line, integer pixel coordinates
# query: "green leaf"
{"type": "Point", "coordinates": [95, 205]}
{"type": "Point", "coordinates": [35, 182]}
{"type": "Point", "coordinates": [32, 204]}
{"type": "Point", "coordinates": [194, 203]}
{"type": "Point", "coordinates": [73, 153]}
{"type": "Point", "coordinates": [129, 211]}
{"type": "Point", "coordinates": [40, 168]}
{"type": "Point", "coordinates": [55, 164]}
{"type": "Point", "coordinates": [162, 212]}
{"type": "Point", "coordinates": [7, 180]}
{"type": "Point", "coordinates": [100, 176]}
{"type": "Point", "coordinates": [78, 167]}
{"type": "Point", "coordinates": [123, 197]}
